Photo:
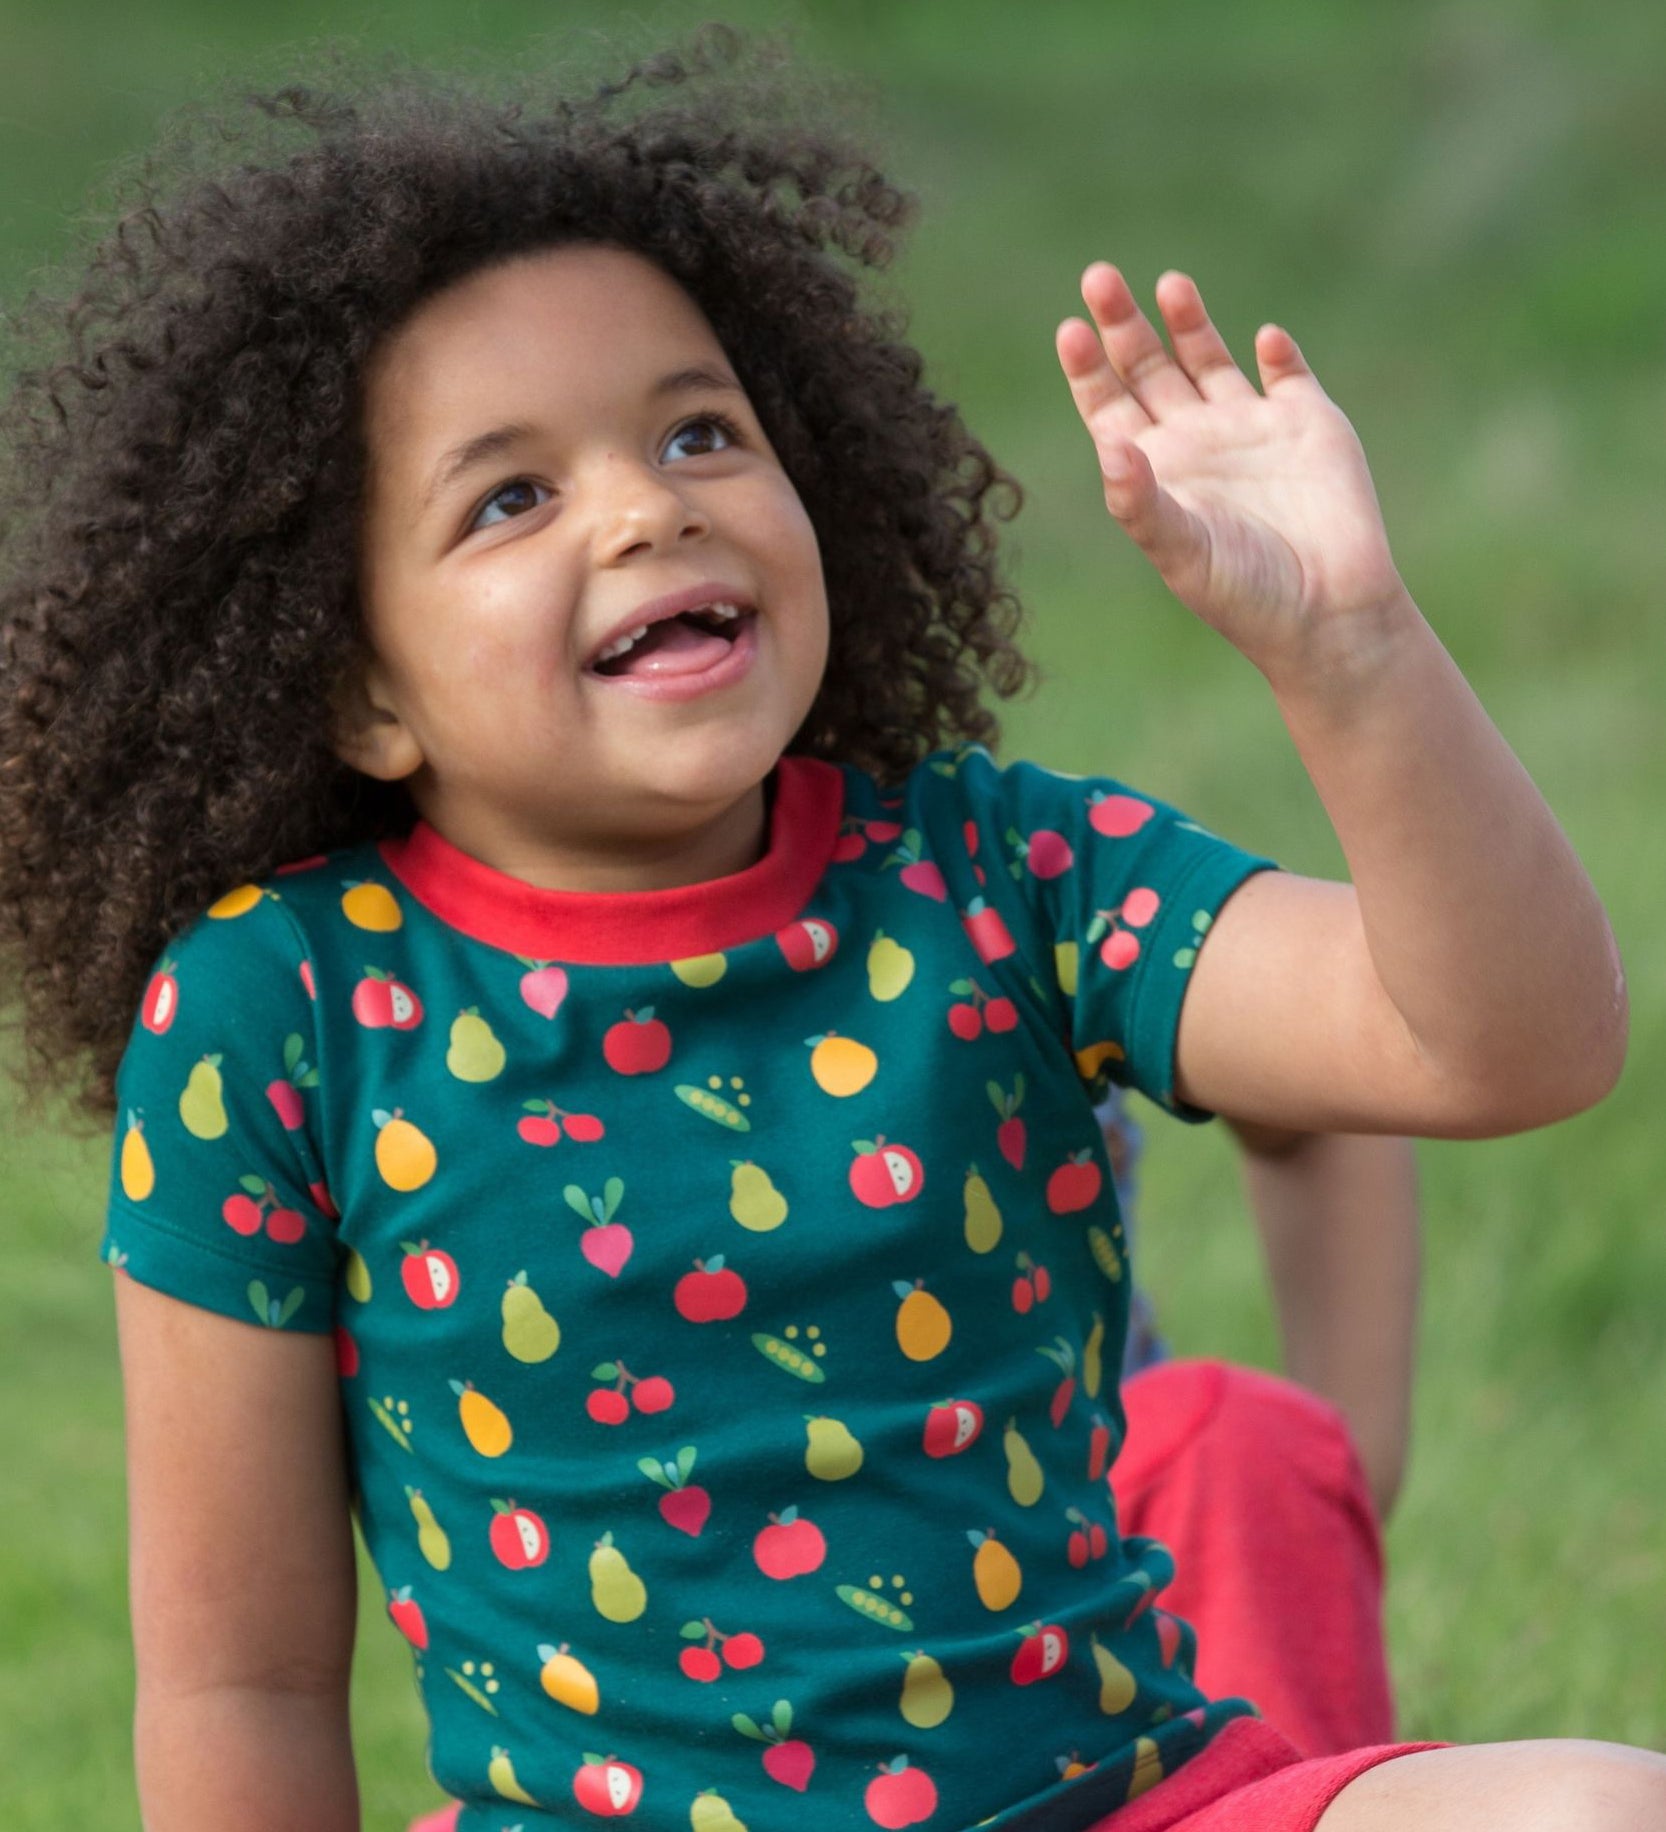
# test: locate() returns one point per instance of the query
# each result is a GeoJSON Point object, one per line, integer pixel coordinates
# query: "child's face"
{"type": "Point", "coordinates": [542, 469]}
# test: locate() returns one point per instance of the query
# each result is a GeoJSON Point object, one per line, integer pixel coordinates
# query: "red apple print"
{"type": "Point", "coordinates": [789, 1547]}
{"type": "Point", "coordinates": [1043, 1651]}
{"type": "Point", "coordinates": [161, 999]}
{"type": "Point", "coordinates": [987, 931]}
{"type": "Point", "coordinates": [1048, 854]}
{"type": "Point", "coordinates": [1117, 816]}
{"type": "Point", "coordinates": [809, 943]}
{"type": "Point", "coordinates": [882, 1175]}
{"type": "Point", "coordinates": [952, 1425]}
{"type": "Point", "coordinates": [380, 1002]}
{"type": "Point", "coordinates": [700, 1663]}
{"type": "Point", "coordinates": [1001, 1015]}
{"type": "Point", "coordinates": [519, 1538]}
{"type": "Point", "coordinates": [711, 1293]}
{"type": "Point", "coordinates": [323, 1201]}
{"type": "Point", "coordinates": [308, 983]}
{"type": "Point", "coordinates": [1121, 950]}
{"type": "Point", "coordinates": [408, 1617]}
{"type": "Point", "coordinates": [543, 987]}
{"type": "Point", "coordinates": [1074, 1185]}
{"type": "Point", "coordinates": [430, 1276]}
{"type": "Point", "coordinates": [900, 1796]}
{"type": "Point", "coordinates": [347, 1354]}
{"type": "Point", "coordinates": [286, 1226]}
{"type": "Point", "coordinates": [241, 1214]}
{"type": "Point", "coordinates": [607, 1788]}
{"type": "Point", "coordinates": [639, 1044]}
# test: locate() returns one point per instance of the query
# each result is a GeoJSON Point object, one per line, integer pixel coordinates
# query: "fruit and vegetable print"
{"type": "Point", "coordinates": [727, 1286]}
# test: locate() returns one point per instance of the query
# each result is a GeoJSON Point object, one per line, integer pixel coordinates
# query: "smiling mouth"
{"type": "Point", "coordinates": [688, 643]}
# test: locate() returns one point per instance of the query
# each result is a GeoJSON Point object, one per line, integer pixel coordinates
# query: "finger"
{"type": "Point", "coordinates": [1139, 356]}
{"type": "Point", "coordinates": [1172, 538]}
{"type": "Point", "coordinates": [1199, 348]}
{"type": "Point", "coordinates": [1102, 401]}
{"type": "Point", "coordinates": [1281, 363]}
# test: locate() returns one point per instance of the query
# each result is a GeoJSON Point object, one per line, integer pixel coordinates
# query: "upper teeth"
{"type": "Point", "coordinates": [621, 644]}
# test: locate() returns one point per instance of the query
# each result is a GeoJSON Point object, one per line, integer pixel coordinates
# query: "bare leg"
{"type": "Point", "coordinates": [1550, 1786]}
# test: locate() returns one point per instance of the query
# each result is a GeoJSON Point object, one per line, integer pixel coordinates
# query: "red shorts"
{"type": "Point", "coordinates": [1250, 1779]}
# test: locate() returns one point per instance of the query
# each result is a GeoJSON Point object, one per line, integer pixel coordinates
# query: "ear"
{"type": "Point", "coordinates": [369, 734]}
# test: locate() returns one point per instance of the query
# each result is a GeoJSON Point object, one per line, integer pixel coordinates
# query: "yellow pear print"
{"type": "Point", "coordinates": [1093, 1365]}
{"type": "Point", "coordinates": [235, 903]}
{"type": "Point", "coordinates": [923, 1325]}
{"type": "Point", "coordinates": [475, 1053]}
{"type": "Point", "coordinates": [138, 1173]}
{"type": "Point", "coordinates": [995, 1572]}
{"type": "Point", "coordinates": [983, 1218]}
{"type": "Point", "coordinates": [500, 1771]}
{"type": "Point", "coordinates": [1117, 1685]}
{"type": "Point", "coordinates": [832, 1451]}
{"type": "Point", "coordinates": [1024, 1478]}
{"type": "Point", "coordinates": [405, 1154]}
{"type": "Point", "coordinates": [372, 906]}
{"type": "Point", "coordinates": [202, 1105]}
{"type": "Point", "coordinates": [710, 1812]}
{"type": "Point", "coordinates": [927, 1696]}
{"type": "Point", "coordinates": [617, 1592]}
{"type": "Point", "coordinates": [568, 1680]}
{"type": "Point", "coordinates": [841, 1065]}
{"type": "Point", "coordinates": [357, 1277]}
{"type": "Point", "coordinates": [890, 968]}
{"type": "Point", "coordinates": [1148, 1768]}
{"type": "Point", "coordinates": [432, 1541]}
{"type": "Point", "coordinates": [701, 969]}
{"type": "Point", "coordinates": [754, 1201]}
{"type": "Point", "coordinates": [1066, 963]}
{"type": "Point", "coordinates": [484, 1425]}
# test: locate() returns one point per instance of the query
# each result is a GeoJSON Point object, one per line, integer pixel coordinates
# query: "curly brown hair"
{"type": "Point", "coordinates": [183, 466]}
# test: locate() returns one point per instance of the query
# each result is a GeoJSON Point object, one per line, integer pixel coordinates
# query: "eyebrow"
{"type": "Point", "coordinates": [497, 440]}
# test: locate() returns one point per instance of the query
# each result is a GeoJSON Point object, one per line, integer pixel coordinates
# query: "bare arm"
{"type": "Point", "coordinates": [1466, 982]}
{"type": "Point", "coordinates": [241, 1568]}
{"type": "Point", "coordinates": [1339, 1226]}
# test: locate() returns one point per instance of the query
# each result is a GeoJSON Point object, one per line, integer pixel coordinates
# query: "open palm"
{"type": "Point", "coordinates": [1256, 506]}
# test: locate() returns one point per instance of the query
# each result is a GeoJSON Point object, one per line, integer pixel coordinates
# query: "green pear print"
{"type": "Point", "coordinates": [475, 1053]}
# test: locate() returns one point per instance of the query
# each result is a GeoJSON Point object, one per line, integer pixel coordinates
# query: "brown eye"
{"type": "Point", "coordinates": [700, 430]}
{"type": "Point", "coordinates": [515, 498]}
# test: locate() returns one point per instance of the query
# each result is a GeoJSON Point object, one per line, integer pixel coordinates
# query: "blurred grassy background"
{"type": "Point", "coordinates": [1458, 208]}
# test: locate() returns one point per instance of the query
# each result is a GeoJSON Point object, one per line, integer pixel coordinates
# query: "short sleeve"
{"type": "Point", "coordinates": [217, 1192]}
{"type": "Point", "coordinates": [1120, 890]}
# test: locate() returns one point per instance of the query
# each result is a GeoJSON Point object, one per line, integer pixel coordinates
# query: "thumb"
{"type": "Point", "coordinates": [1171, 537]}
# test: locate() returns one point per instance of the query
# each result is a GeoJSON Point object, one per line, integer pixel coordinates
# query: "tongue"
{"type": "Point", "coordinates": [674, 647]}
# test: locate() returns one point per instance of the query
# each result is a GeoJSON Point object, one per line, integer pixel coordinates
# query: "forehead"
{"type": "Point", "coordinates": [567, 330]}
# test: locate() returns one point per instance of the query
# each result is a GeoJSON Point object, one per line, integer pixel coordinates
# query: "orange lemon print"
{"type": "Point", "coordinates": [841, 1065]}
{"type": "Point", "coordinates": [405, 1154]}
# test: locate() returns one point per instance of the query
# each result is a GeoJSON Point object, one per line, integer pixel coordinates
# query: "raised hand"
{"type": "Point", "coordinates": [1256, 507]}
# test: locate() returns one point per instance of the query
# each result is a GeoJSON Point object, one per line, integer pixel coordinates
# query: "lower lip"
{"type": "Point", "coordinates": [723, 673]}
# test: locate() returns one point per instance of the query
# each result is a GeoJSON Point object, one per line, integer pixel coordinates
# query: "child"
{"type": "Point", "coordinates": [1229, 1466]}
{"type": "Point", "coordinates": [492, 659]}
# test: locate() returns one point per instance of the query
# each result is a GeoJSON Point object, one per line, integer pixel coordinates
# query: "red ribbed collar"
{"type": "Point", "coordinates": [622, 928]}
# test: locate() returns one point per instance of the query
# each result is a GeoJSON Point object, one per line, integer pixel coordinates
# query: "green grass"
{"type": "Point", "coordinates": [1456, 208]}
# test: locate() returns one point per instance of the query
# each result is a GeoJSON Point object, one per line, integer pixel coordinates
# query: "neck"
{"type": "Point", "coordinates": [733, 839]}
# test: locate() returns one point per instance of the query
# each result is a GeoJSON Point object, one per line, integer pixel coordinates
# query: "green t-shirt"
{"type": "Point", "coordinates": [728, 1287]}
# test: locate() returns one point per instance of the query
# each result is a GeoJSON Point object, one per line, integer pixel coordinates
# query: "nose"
{"type": "Point", "coordinates": [641, 508]}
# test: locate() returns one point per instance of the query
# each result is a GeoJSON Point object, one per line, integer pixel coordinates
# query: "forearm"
{"type": "Point", "coordinates": [260, 1759]}
{"type": "Point", "coordinates": [1481, 925]}
{"type": "Point", "coordinates": [1338, 1217]}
